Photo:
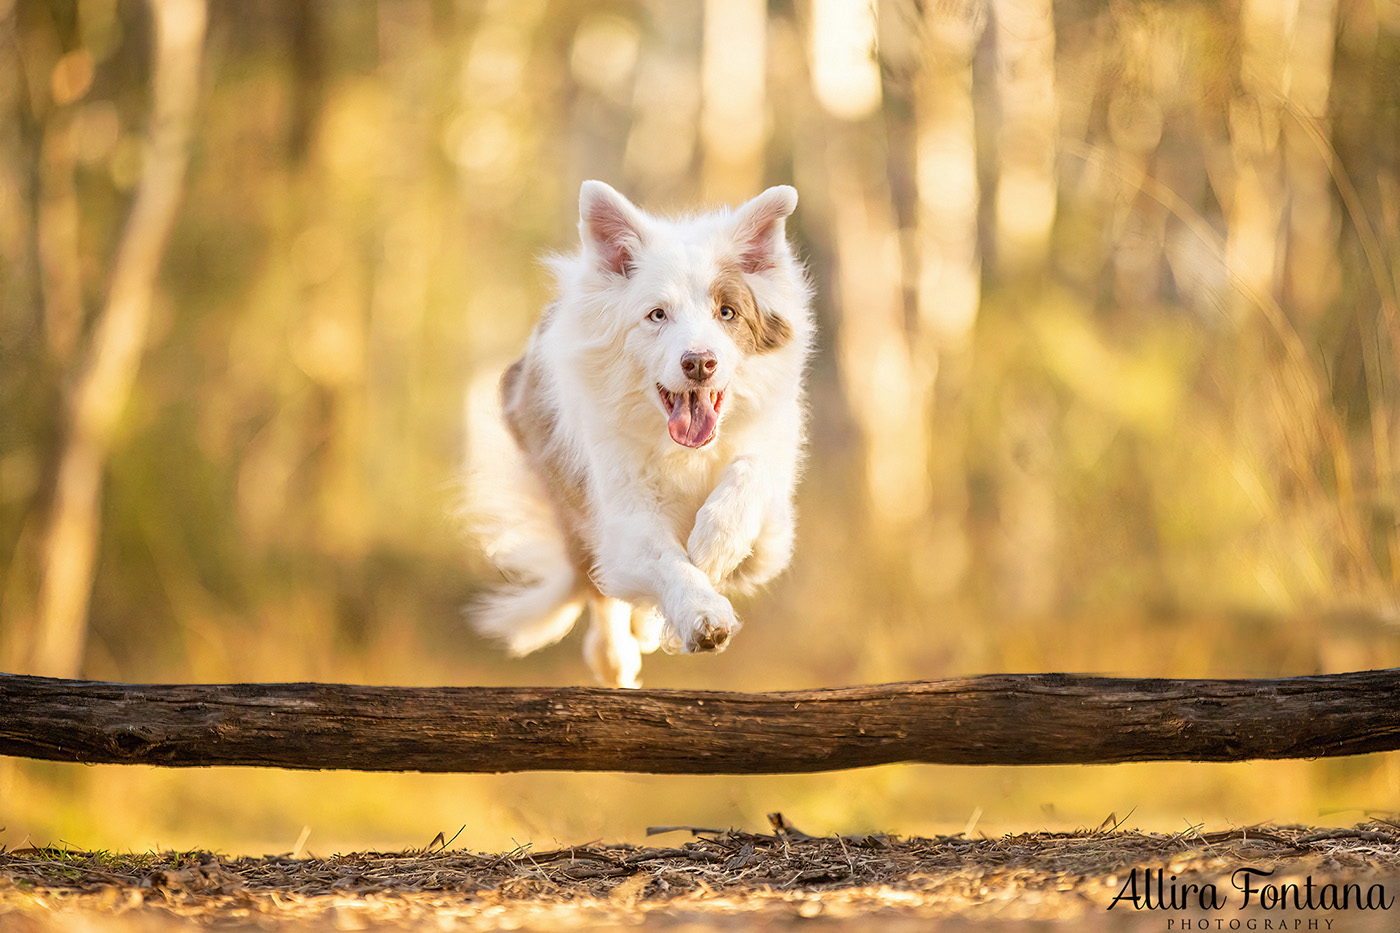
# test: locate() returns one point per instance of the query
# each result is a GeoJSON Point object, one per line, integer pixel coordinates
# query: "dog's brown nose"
{"type": "Point", "coordinates": [698, 365]}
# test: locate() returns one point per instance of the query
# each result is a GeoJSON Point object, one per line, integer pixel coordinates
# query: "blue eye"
{"type": "Point", "coordinates": [657, 314]}
{"type": "Point", "coordinates": [726, 313]}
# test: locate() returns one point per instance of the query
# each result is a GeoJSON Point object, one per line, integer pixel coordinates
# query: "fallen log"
{"type": "Point", "coordinates": [999, 719]}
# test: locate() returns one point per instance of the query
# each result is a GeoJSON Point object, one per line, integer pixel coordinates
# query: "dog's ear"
{"type": "Point", "coordinates": [758, 230]}
{"type": "Point", "coordinates": [611, 227]}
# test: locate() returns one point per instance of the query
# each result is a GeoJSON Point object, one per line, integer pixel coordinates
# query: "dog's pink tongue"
{"type": "Point", "coordinates": [693, 419]}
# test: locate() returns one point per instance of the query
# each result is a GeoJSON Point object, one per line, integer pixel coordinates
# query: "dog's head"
{"type": "Point", "coordinates": [691, 297]}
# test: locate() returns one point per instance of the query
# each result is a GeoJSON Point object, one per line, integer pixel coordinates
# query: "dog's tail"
{"type": "Point", "coordinates": [506, 508]}
{"type": "Point", "coordinates": [530, 616]}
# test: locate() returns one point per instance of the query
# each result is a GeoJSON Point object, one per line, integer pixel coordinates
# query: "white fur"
{"type": "Point", "coordinates": [670, 528]}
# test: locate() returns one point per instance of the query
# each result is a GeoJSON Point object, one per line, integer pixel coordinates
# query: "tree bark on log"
{"type": "Point", "coordinates": [999, 719]}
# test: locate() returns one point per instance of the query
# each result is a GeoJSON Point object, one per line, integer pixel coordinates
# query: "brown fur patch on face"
{"type": "Point", "coordinates": [755, 331]}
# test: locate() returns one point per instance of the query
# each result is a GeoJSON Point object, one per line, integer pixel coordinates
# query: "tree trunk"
{"type": "Point", "coordinates": [103, 384]}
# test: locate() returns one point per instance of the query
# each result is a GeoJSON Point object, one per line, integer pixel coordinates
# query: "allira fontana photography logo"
{"type": "Point", "coordinates": [1274, 903]}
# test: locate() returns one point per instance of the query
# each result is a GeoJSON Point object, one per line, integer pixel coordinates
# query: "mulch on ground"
{"type": "Point", "coordinates": [717, 879]}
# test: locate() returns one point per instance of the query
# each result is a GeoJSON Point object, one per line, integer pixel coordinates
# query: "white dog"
{"type": "Point", "coordinates": [658, 422]}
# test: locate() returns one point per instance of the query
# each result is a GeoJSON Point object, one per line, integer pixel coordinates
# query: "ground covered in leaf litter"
{"type": "Point", "coordinates": [720, 880]}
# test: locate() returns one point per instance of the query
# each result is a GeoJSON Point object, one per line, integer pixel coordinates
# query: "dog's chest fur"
{"type": "Point", "coordinates": [567, 461]}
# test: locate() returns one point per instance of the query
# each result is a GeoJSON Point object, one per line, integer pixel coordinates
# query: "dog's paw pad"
{"type": "Point", "coordinates": [710, 636]}
{"type": "Point", "coordinates": [708, 632]}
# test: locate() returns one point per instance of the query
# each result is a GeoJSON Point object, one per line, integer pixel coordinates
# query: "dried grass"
{"type": "Point", "coordinates": [714, 879]}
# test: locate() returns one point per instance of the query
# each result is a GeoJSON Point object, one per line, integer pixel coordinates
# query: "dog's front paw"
{"type": "Point", "coordinates": [721, 539]}
{"type": "Point", "coordinates": [705, 627]}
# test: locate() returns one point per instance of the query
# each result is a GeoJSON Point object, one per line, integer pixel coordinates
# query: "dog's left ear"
{"type": "Point", "coordinates": [758, 231]}
{"type": "Point", "coordinates": [611, 227]}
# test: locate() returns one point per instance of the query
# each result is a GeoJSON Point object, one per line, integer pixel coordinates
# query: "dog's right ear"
{"type": "Point", "coordinates": [611, 227]}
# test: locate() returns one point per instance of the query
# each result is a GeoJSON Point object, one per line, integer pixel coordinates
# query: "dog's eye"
{"type": "Point", "coordinates": [726, 313]}
{"type": "Point", "coordinates": [657, 314]}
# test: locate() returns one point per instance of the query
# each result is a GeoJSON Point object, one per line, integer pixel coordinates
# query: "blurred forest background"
{"type": "Point", "coordinates": [1107, 378]}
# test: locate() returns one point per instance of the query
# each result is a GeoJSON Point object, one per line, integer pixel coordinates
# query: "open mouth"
{"type": "Point", "coordinates": [692, 416]}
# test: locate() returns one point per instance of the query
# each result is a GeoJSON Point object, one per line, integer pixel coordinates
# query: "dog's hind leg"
{"type": "Point", "coordinates": [610, 648]}
{"type": "Point", "coordinates": [646, 628]}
